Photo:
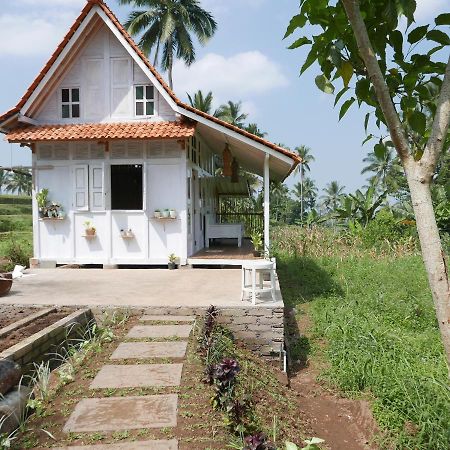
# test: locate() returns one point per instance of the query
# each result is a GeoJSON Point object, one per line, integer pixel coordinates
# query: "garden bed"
{"type": "Point", "coordinates": [10, 314]}
{"type": "Point", "coordinates": [16, 336]}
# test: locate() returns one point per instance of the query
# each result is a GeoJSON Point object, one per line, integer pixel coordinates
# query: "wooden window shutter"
{"type": "Point", "coordinates": [96, 187]}
{"type": "Point", "coordinates": [81, 187]}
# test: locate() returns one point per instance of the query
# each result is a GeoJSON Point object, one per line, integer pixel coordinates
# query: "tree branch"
{"type": "Point", "coordinates": [440, 126]}
{"type": "Point", "coordinates": [373, 68]}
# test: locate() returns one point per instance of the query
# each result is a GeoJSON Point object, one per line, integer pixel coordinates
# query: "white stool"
{"type": "Point", "coordinates": [258, 267]}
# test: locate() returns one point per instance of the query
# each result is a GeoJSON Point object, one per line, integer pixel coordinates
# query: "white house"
{"type": "Point", "coordinates": [112, 144]}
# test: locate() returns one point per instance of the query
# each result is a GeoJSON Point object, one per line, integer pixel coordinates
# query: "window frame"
{"type": "Point", "coordinates": [110, 189]}
{"type": "Point", "coordinates": [70, 103]}
{"type": "Point", "coordinates": [144, 100]}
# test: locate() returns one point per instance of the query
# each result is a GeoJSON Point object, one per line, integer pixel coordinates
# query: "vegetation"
{"type": "Point", "coordinates": [15, 181]}
{"type": "Point", "coordinates": [404, 79]}
{"type": "Point", "coordinates": [168, 27]}
{"type": "Point", "coordinates": [374, 326]}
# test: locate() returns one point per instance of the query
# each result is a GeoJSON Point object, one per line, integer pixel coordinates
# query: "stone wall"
{"type": "Point", "coordinates": [261, 328]}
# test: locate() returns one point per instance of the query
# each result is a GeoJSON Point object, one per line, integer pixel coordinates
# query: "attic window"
{"type": "Point", "coordinates": [70, 100]}
{"type": "Point", "coordinates": [144, 96]}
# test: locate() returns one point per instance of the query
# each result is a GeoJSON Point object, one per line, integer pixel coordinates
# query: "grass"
{"type": "Point", "coordinates": [376, 317]}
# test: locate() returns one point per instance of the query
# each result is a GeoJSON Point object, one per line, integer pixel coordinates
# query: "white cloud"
{"type": "Point", "coordinates": [426, 9]}
{"type": "Point", "coordinates": [236, 77]}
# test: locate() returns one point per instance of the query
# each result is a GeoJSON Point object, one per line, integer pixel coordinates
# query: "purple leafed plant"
{"type": "Point", "coordinates": [226, 371]}
{"type": "Point", "coordinates": [257, 442]}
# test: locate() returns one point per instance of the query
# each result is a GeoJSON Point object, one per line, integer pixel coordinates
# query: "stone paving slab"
{"type": "Point", "coordinates": [159, 331]}
{"type": "Point", "coordinates": [143, 445]}
{"type": "Point", "coordinates": [123, 413]}
{"type": "Point", "coordinates": [149, 318]}
{"type": "Point", "coordinates": [142, 350]}
{"type": "Point", "coordinates": [139, 375]}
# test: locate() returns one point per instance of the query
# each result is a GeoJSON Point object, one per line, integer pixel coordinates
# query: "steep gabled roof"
{"type": "Point", "coordinates": [183, 106]}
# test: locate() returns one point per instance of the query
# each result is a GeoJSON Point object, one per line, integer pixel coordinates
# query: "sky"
{"type": "Point", "coordinates": [247, 60]}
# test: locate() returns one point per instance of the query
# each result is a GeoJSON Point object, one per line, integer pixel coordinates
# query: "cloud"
{"type": "Point", "coordinates": [236, 77]}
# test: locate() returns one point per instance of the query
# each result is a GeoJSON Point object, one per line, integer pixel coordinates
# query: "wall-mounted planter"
{"type": "Point", "coordinates": [44, 219]}
{"type": "Point", "coordinates": [127, 234]}
{"type": "Point", "coordinates": [90, 236]}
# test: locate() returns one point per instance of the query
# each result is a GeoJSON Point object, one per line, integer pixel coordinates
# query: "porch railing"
{"type": "Point", "coordinates": [253, 222]}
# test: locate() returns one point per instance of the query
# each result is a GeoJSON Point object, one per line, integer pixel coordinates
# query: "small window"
{"type": "Point", "coordinates": [70, 98]}
{"type": "Point", "coordinates": [126, 187]}
{"type": "Point", "coordinates": [145, 100]}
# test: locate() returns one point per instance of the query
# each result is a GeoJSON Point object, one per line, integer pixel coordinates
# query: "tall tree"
{"type": "Point", "coordinates": [402, 82]}
{"type": "Point", "coordinates": [202, 102]}
{"type": "Point", "coordinates": [333, 193]}
{"type": "Point", "coordinates": [232, 113]}
{"type": "Point", "coordinates": [254, 129]}
{"type": "Point", "coordinates": [19, 183]}
{"type": "Point", "coordinates": [306, 192]}
{"type": "Point", "coordinates": [307, 158]}
{"type": "Point", "coordinates": [170, 25]}
{"type": "Point", "coordinates": [4, 178]}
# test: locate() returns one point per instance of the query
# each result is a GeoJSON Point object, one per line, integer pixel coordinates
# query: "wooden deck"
{"type": "Point", "coordinates": [223, 252]}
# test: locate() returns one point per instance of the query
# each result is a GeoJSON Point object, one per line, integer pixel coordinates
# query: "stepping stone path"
{"type": "Point", "coordinates": [135, 412]}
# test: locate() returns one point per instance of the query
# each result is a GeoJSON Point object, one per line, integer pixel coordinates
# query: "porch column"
{"type": "Point", "coordinates": [266, 206]}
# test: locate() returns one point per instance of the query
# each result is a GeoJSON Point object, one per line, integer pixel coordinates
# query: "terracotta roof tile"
{"type": "Point", "coordinates": [128, 38]}
{"type": "Point", "coordinates": [103, 131]}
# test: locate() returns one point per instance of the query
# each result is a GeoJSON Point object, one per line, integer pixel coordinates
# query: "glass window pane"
{"type": "Point", "coordinates": [149, 108]}
{"type": "Point", "coordinates": [149, 92]}
{"type": "Point", "coordinates": [65, 95]}
{"type": "Point", "coordinates": [127, 187]}
{"type": "Point", "coordinates": [65, 111]}
{"type": "Point", "coordinates": [76, 110]}
{"type": "Point", "coordinates": [139, 108]}
{"type": "Point", "coordinates": [75, 95]}
{"type": "Point", "coordinates": [139, 92]}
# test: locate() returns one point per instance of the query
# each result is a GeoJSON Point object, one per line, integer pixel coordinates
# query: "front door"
{"type": "Point", "coordinates": [196, 212]}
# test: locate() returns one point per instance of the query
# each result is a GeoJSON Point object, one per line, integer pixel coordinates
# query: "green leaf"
{"type": "Point", "coordinates": [367, 139]}
{"type": "Point", "coordinates": [312, 56]}
{"type": "Point", "coordinates": [299, 42]}
{"type": "Point", "coordinates": [442, 19]}
{"type": "Point", "coordinates": [379, 150]}
{"type": "Point", "coordinates": [438, 36]}
{"type": "Point", "coordinates": [418, 122]}
{"type": "Point", "coordinates": [408, 103]}
{"type": "Point", "coordinates": [366, 123]}
{"type": "Point", "coordinates": [339, 95]}
{"type": "Point", "coordinates": [291, 446]}
{"type": "Point", "coordinates": [297, 21]}
{"type": "Point", "coordinates": [345, 106]}
{"type": "Point", "coordinates": [323, 83]}
{"type": "Point", "coordinates": [397, 41]}
{"type": "Point", "coordinates": [362, 89]}
{"type": "Point", "coordinates": [417, 34]}
{"type": "Point", "coordinates": [346, 72]}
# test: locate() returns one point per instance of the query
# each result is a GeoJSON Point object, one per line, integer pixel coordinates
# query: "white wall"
{"type": "Point", "coordinates": [63, 241]}
{"type": "Point", "coordinates": [106, 74]}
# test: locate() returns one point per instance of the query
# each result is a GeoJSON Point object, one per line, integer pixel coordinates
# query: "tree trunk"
{"type": "Point", "coordinates": [432, 252]}
{"type": "Point", "coordinates": [301, 194]}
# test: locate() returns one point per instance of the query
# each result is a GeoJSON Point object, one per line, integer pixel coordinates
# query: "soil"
{"type": "Point", "coordinates": [344, 424]}
{"type": "Point", "coordinates": [26, 331]}
{"type": "Point", "coordinates": [10, 314]}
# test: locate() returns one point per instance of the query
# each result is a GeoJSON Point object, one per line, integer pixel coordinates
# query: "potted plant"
{"type": "Point", "coordinates": [257, 242]}
{"type": "Point", "coordinates": [89, 229]}
{"type": "Point", "coordinates": [157, 213]}
{"type": "Point", "coordinates": [165, 213]}
{"type": "Point", "coordinates": [172, 261]}
{"type": "Point", "coordinates": [42, 201]}
{"type": "Point", "coordinates": [172, 214]}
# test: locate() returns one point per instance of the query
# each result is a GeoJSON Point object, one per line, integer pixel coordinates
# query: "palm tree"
{"type": "Point", "coordinates": [201, 102]}
{"type": "Point", "coordinates": [333, 193]}
{"type": "Point", "coordinates": [170, 24]}
{"type": "Point", "coordinates": [4, 178]}
{"type": "Point", "coordinates": [304, 152]}
{"type": "Point", "coordinates": [253, 128]}
{"type": "Point", "coordinates": [383, 163]}
{"type": "Point", "coordinates": [20, 183]}
{"type": "Point", "coordinates": [306, 191]}
{"type": "Point", "coordinates": [231, 113]}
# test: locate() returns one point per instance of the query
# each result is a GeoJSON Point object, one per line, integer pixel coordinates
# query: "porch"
{"type": "Point", "coordinates": [134, 288]}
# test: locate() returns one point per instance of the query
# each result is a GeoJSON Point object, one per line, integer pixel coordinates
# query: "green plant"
{"type": "Point", "coordinates": [42, 198]}
{"type": "Point", "coordinates": [172, 258]}
{"type": "Point", "coordinates": [6, 439]}
{"type": "Point", "coordinates": [311, 444]}
{"type": "Point", "coordinates": [257, 241]}
{"type": "Point", "coordinates": [17, 252]}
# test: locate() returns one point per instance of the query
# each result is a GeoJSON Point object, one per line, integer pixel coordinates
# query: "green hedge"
{"type": "Point", "coordinates": [15, 199]}
{"type": "Point", "coordinates": [14, 210]}
{"type": "Point", "coordinates": [16, 223]}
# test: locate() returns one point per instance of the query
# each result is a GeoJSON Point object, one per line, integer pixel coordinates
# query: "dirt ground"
{"type": "Point", "coordinates": [344, 424]}
{"type": "Point", "coordinates": [10, 314]}
{"type": "Point", "coordinates": [26, 331]}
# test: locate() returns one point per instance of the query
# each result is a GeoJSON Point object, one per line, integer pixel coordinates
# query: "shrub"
{"type": "Point", "coordinates": [17, 252]}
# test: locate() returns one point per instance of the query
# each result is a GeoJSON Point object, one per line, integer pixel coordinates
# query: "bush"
{"type": "Point", "coordinates": [15, 199]}
{"type": "Point", "coordinates": [18, 252]}
{"type": "Point", "coordinates": [15, 223]}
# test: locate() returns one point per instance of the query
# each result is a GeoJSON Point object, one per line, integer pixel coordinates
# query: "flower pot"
{"type": "Point", "coordinates": [165, 213]}
{"type": "Point", "coordinates": [257, 253]}
{"type": "Point", "coordinates": [157, 214]}
{"type": "Point", "coordinates": [172, 266]}
{"type": "Point", "coordinates": [172, 214]}
{"type": "Point", "coordinates": [90, 232]}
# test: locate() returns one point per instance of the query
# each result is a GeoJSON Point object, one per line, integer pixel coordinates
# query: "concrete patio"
{"type": "Point", "coordinates": [133, 287]}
